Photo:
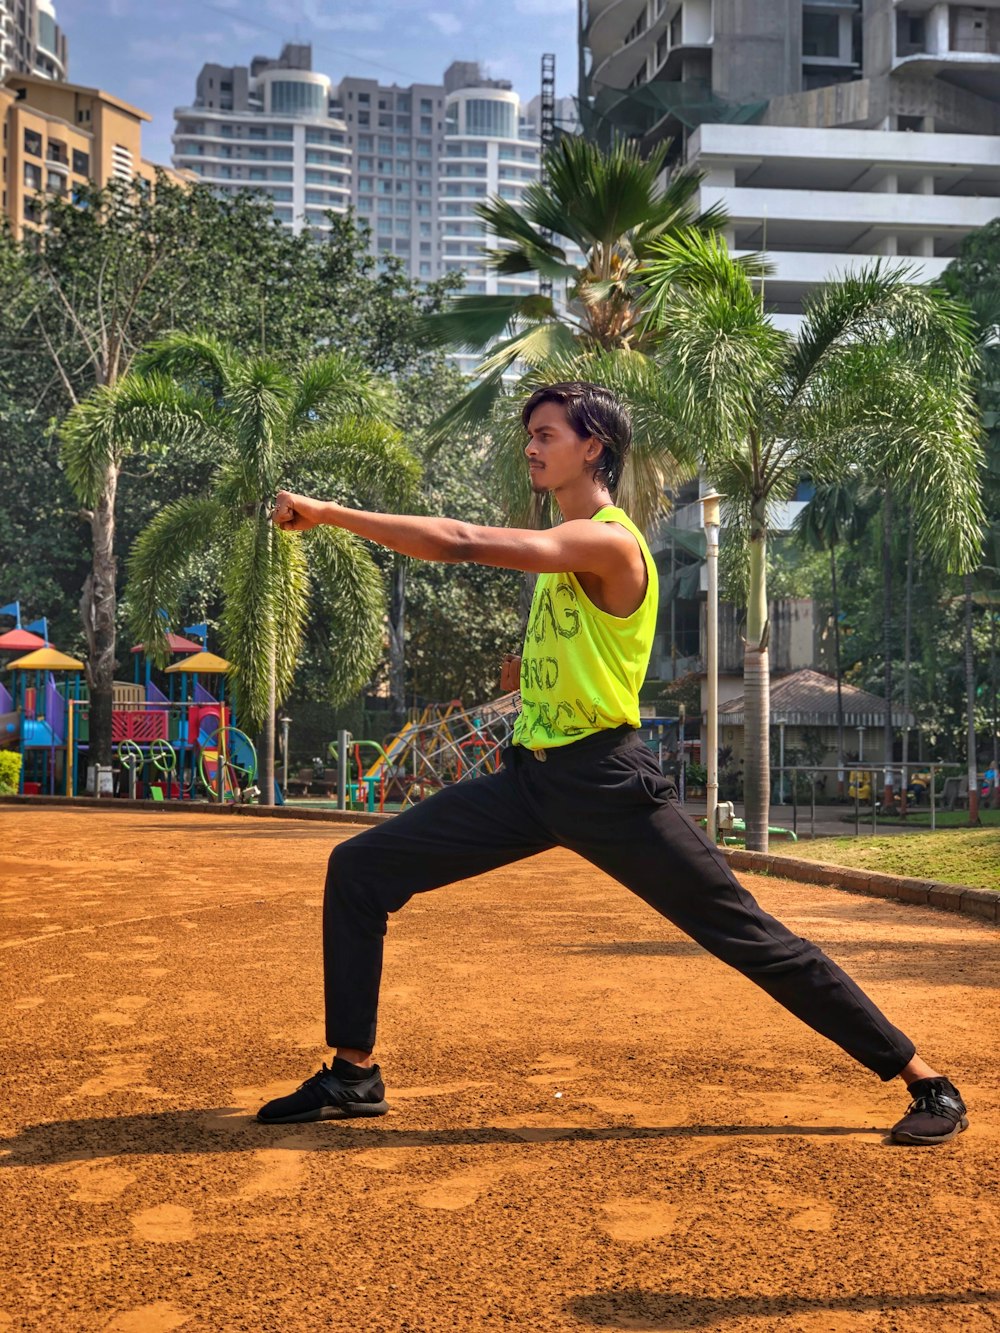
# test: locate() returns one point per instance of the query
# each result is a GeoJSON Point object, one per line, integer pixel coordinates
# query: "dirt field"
{"type": "Point", "coordinates": [594, 1125]}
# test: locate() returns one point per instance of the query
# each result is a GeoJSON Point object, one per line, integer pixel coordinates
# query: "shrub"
{"type": "Point", "coordinates": [10, 772]}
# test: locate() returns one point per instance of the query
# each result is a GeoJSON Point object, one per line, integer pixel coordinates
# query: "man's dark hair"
{"type": "Point", "coordinates": [591, 410]}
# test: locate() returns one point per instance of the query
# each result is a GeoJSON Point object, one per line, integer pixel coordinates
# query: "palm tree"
{"type": "Point", "coordinates": [833, 515]}
{"type": "Point", "coordinates": [877, 381]}
{"type": "Point", "coordinates": [605, 206]}
{"type": "Point", "coordinates": [261, 428]}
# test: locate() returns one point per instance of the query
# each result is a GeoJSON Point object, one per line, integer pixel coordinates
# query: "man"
{"type": "Point", "coordinates": [576, 776]}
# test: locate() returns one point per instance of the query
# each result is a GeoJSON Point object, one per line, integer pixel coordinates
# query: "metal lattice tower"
{"type": "Point", "coordinates": [547, 135]}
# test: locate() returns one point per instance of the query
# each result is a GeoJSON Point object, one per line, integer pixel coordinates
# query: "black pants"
{"type": "Point", "coordinates": [605, 798]}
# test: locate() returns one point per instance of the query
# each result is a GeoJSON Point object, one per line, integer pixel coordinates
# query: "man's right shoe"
{"type": "Point", "coordinates": [936, 1114]}
{"type": "Point", "coordinates": [328, 1096]}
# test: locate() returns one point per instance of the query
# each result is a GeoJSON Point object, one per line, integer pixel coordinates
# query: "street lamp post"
{"type": "Point", "coordinates": [710, 522]}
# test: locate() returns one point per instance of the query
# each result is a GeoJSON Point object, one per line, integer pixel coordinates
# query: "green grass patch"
{"type": "Point", "coordinates": [943, 819]}
{"type": "Point", "coordinates": [955, 856]}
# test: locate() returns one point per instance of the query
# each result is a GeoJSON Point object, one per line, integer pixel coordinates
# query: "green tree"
{"type": "Point", "coordinates": [589, 225]}
{"type": "Point", "coordinates": [833, 515]}
{"type": "Point", "coordinates": [260, 428]}
{"type": "Point", "coordinates": [876, 382]}
{"type": "Point", "coordinates": [119, 267]}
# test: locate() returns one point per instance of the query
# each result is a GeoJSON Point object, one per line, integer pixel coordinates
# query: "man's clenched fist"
{"type": "Point", "coordinates": [295, 513]}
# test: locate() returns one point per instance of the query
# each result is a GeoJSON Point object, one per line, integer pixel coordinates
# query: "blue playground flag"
{"type": "Point", "coordinates": [41, 625]}
{"type": "Point", "coordinates": [200, 630]}
{"type": "Point", "coordinates": [12, 609]}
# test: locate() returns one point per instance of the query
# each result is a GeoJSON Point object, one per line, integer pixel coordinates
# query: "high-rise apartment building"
{"type": "Point", "coordinates": [396, 137]}
{"type": "Point", "coordinates": [274, 126]}
{"type": "Point", "coordinates": [31, 41]}
{"type": "Point", "coordinates": [490, 151]}
{"type": "Point", "coordinates": [58, 136]}
{"type": "Point", "coordinates": [831, 132]}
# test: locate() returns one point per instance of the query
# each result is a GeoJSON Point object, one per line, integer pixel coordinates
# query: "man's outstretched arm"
{"type": "Point", "coordinates": [580, 545]}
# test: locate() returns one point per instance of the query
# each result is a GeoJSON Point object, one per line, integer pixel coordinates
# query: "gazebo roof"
{"type": "Point", "coordinates": [176, 643]}
{"type": "Point", "coordinates": [20, 641]}
{"type": "Point", "coordinates": [208, 664]}
{"type": "Point", "coordinates": [45, 659]}
{"type": "Point", "coordinates": [808, 698]}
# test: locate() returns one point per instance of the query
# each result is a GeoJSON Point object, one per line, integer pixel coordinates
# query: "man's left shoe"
{"type": "Point", "coordinates": [936, 1114]}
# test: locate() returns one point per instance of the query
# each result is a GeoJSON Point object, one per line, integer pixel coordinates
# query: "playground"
{"type": "Point", "coordinates": [594, 1125]}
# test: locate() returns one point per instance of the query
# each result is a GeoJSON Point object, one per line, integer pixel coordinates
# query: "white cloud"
{"type": "Point", "coordinates": [545, 6]}
{"type": "Point", "coordinates": [447, 24]}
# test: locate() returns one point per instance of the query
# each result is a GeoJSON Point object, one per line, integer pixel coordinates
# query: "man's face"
{"type": "Point", "coordinates": [556, 454]}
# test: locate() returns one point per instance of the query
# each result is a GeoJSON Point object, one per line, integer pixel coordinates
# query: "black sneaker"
{"type": "Point", "coordinates": [936, 1114]}
{"type": "Point", "coordinates": [327, 1096]}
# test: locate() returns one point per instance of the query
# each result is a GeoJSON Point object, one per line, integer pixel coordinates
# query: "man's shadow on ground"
{"type": "Point", "coordinates": [232, 1129]}
{"type": "Point", "coordinates": [662, 1311]}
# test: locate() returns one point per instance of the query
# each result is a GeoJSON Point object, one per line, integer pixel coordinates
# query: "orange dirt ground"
{"type": "Point", "coordinates": [594, 1125]}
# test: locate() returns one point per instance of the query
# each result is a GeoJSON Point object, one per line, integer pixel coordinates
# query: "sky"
{"type": "Point", "coordinates": [149, 54]}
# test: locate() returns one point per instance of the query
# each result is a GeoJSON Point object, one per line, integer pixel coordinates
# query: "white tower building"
{"type": "Point", "coordinates": [274, 127]}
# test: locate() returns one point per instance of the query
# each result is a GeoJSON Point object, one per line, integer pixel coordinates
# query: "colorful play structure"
{"type": "Point", "coordinates": [175, 742]}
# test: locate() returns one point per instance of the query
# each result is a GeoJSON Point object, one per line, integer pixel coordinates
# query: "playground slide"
{"type": "Point", "coordinates": [394, 750]}
{"type": "Point", "coordinates": [39, 733]}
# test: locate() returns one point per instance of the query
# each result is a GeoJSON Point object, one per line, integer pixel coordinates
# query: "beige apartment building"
{"type": "Point", "coordinates": [57, 137]}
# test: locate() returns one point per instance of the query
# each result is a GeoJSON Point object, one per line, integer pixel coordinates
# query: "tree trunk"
{"type": "Point", "coordinates": [970, 695]}
{"type": "Point", "coordinates": [907, 637]}
{"type": "Point", "coordinates": [98, 606]}
{"type": "Point", "coordinates": [756, 695]}
{"type": "Point", "coordinates": [887, 791]}
{"type": "Point", "coordinates": [837, 671]}
{"type": "Point", "coordinates": [995, 789]}
{"type": "Point", "coordinates": [397, 644]}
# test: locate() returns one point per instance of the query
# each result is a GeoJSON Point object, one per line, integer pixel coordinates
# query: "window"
{"type": "Point", "coordinates": [364, 143]}
{"type": "Point", "coordinates": [384, 144]}
{"type": "Point", "coordinates": [281, 155]}
{"type": "Point", "coordinates": [402, 187]}
{"type": "Point", "coordinates": [365, 98]}
{"type": "Point", "coordinates": [425, 247]}
{"type": "Point", "coordinates": [316, 197]}
{"type": "Point", "coordinates": [385, 208]}
{"type": "Point", "coordinates": [280, 194]}
{"type": "Point", "coordinates": [226, 131]}
{"type": "Point", "coordinates": [385, 121]}
{"type": "Point", "coordinates": [290, 97]}
{"type": "Point", "coordinates": [318, 178]}
{"type": "Point", "coordinates": [284, 132]}
{"type": "Point", "coordinates": [402, 226]}
{"type": "Point", "coordinates": [402, 124]}
{"type": "Point", "coordinates": [366, 164]}
{"type": "Point", "coordinates": [425, 229]}
{"type": "Point", "coordinates": [402, 168]}
{"type": "Point", "coordinates": [364, 118]}
{"type": "Point", "coordinates": [403, 102]}
{"type": "Point", "coordinates": [281, 173]}
{"type": "Point", "coordinates": [426, 125]}
{"type": "Point", "coordinates": [81, 162]}
{"type": "Point", "coordinates": [33, 143]}
{"type": "Point", "coordinates": [385, 166]}
{"type": "Point", "coordinates": [486, 118]}
{"type": "Point", "coordinates": [365, 183]}
{"type": "Point", "coordinates": [403, 207]}
{"type": "Point", "coordinates": [383, 105]}
{"type": "Point", "coordinates": [32, 176]}
{"type": "Point", "coordinates": [366, 202]}
{"type": "Point", "coordinates": [422, 210]}
{"type": "Point", "coordinates": [402, 148]}
{"type": "Point", "coordinates": [424, 148]}
{"type": "Point", "coordinates": [426, 105]}
{"type": "Point", "coordinates": [820, 35]}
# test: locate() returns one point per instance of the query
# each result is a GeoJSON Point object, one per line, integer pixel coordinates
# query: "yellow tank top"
{"type": "Point", "coordinates": [582, 668]}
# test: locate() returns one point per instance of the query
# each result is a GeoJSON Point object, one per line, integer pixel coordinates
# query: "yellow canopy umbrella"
{"type": "Point", "coordinates": [45, 659]}
{"type": "Point", "coordinates": [208, 663]}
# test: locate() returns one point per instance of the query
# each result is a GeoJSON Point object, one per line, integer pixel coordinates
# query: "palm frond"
{"type": "Point", "coordinates": [335, 386]}
{"type": "Point", "coordinates": [252, 595]}
{"type": "Point", "coordinates": [471, 323]}
{"type": "Point", "coordinates": [874, 303]}
{"type": "Point", "coordinates": [358, 454]}
{"type": "Point", "coordinates": [469, 412]}
{"type": "Point", "coordinates": [349, 586]}
{"type": "Point", "coordinates": [291, 610]}
{"type": "Point", "coordinates": [260, 397]}
{"type": "Point", "coordinates": [198, 360]}
{"type": "Point", "coordinates": [159, 565]}
{"type": "Point", "coordinates": [139, 414]}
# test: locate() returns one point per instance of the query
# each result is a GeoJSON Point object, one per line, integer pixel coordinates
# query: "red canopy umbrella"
{"type": "Point", "coordinates": [20, 641]}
